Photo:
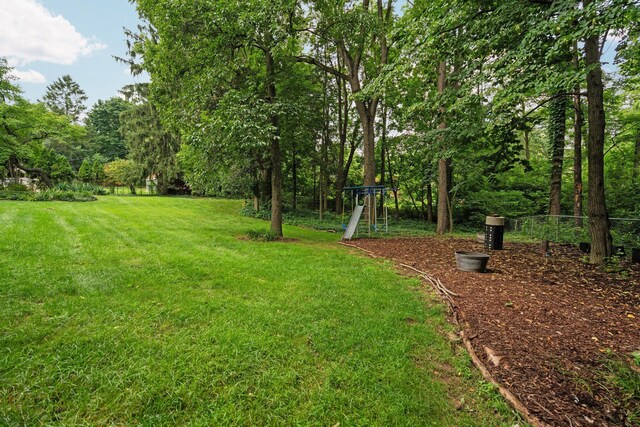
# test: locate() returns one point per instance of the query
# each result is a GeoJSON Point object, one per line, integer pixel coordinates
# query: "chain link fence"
{"type": "Point", "coordinates": [572, 229]}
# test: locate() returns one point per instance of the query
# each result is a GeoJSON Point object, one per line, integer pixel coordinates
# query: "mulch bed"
{"type": "Point", "coordinates": [551, 321]}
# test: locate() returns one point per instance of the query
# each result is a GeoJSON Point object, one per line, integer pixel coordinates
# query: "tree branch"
{"type": "Point", "coordinates": [557, 95]}
{"type": "Point", "coordinates": [322, 66]}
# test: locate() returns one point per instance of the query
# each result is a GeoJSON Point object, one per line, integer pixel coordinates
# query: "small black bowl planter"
{"type": "Point", "coordinates": [472, 261]}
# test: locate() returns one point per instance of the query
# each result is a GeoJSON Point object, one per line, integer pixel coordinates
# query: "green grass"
{"type": "Point", "coordinates": [159, 311]}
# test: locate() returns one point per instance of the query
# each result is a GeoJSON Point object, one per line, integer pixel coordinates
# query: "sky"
{"type": "Point", "coordinates": [46, 39]}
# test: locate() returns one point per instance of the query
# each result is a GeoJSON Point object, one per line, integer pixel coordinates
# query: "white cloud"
{"type": "Point", "coordinates": [29, 76]}
{"type": "Point", "coordinates": [29, 32]}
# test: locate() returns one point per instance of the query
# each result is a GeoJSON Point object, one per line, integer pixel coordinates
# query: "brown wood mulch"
{"type": "Point", "coordinates": [546, 327]}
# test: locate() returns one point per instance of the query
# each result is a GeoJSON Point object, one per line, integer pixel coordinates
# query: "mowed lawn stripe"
{"type": "Point", "coordinates": [157, 311]}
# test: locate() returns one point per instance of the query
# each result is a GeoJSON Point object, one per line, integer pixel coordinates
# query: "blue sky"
{"type": "Point", "coordinates": [45, 39]}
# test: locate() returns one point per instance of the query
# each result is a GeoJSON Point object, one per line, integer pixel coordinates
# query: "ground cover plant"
{"type": "Point", "coordinates": [160, 311]}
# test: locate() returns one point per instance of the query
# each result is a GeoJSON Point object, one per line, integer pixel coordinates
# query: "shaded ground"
{"type": "Point", "coordinates": [554, 323]}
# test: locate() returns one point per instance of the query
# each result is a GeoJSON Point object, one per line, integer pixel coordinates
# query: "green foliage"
{"type": "Point", "coordinates": [82, 187]}
{"type": "Point", "coordinates": [48, 195]}
{"type": "Point", "coordinates": [65, 97]}
{"type": "Point", "coordinates": [55, 194]}
{"type": "Point", "coordinates": [16, 188]}
{"type": "Point", "coordinates": [149, 143]}
{"type": "Point", "coordinates": [123, 172]}
{"type": "Point", "coordinates": [55, 165]}
{"type": "Point", "coordinates": [85, 173]}
{"type": "Point", "coordinates": [513, 204]}
{"type": "Point", "coordinates": [104, 128]}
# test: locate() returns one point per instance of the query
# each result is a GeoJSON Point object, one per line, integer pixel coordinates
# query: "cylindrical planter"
{"type": "Point", "coordinates": [494, 232]}
{"type": "Point", "coordinates": [635, 255]}
{"type": "Point", "coordinates": [472, 261]}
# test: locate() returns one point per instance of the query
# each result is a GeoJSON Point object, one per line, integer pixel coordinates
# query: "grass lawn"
{"type": "Point", "coordinates": [152, 311]}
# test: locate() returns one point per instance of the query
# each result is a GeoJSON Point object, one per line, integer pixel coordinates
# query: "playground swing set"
{"type": "Point", "coordinates": [368, 210]}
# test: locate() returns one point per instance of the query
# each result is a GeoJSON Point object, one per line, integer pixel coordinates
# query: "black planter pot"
{"type": "Point", "coordinates": [472, 261]}
{"type": "Point", "coordinates": [635, 255]}
{"type": "Point", "coordinates": [585, 247]}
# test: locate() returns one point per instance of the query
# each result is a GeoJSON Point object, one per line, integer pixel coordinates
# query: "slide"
{"type": "Point", "coordinates": [353, 222]}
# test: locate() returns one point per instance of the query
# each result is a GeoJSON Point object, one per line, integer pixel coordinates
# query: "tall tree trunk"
{"type": "Point", "coordinates": [577, 158]}
{"type": "Point", "coordinates": [343, 122]}
{"type": "Point", "coordinates": [527, 152]}
{"type": "Point", "coordinates": [598, 215]}
{"type": "Point", "coordinates": [557, 129]}
{"type": "Point", "coordinates": [394, 187]}
{"type": "Point", "coordinates": [444, 165]}
{"type": "Point", "coordinates": [429, 202]}
{"type": "Point", "coordinates": [636, 157]}
{"type": "Point", "coordinates": [578, 120]}
{"type": "Point", "coordinates": [368, 142]}
{"type": "Point", "coordinates": [294, 173]}
{"type": "Point", "coordinates": [276, 154]}
{"type": "Point", "coordinates": [383, 152]}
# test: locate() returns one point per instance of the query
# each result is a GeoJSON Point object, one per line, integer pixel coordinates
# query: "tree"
{"type": "Point", "coordinates": [24, 129]}
{"type": "Point", "coordinates": [557, 129]}
{"type": "Point", "coordinates": [229, 51]}
{"type": "Point", "coordinates": [123, 172]}
{"type": "Point", "coordinates": [359, 32]}
{"type": "Point", "coordinates": [148, 142]}
{"type": "Point", "coordinates": [64, 96]}
{"type": "Point", "coordinates": [85, 173]}
{"type": "Point", "coordinates": [103, 128]}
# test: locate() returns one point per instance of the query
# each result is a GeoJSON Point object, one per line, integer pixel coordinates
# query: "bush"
{"type": "Point", "coordinates": [48, 195]}
{"type": "Point", "coordinates": [264, 212]}
{"type": "Point", "coordinates": [14, 195]}
{"type": "Point", "coordinates": [82, 187]}
{"type": "Point", "coordinates": [16, 188]}
{"type": "Point", "coordinates": [63, 195]}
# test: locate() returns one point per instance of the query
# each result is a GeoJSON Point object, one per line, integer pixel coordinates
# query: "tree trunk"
{"type": "Point", "coordinates": [394, 187]}
{"type": "Point", "coordinates": [444, 165]}
{"type": "Point", "coordinates": [557, 129]}
{"type": "Point", "coordinates": [598, 215]}
{"type": "Point", "coordinates": [276, 155]}
{"type": "Point", "coordinates": [294, 173]}
{"type": "Point", "coordinates": [368, 143]}
{"type": "Point", "coordinates": [343, 121]}
{"type": "Point", "coordinates": [577, 159]}
{"type": "Point", "coordinates": [429, 203]}
{"type": "Point", "coordinates": [636, 157]}
{"type": "Point", "coordinates": [383, 151]}
{"type": "Point", "coordinates": [527, 153]}
{"type": "Point", "coordinates": [41, 173]}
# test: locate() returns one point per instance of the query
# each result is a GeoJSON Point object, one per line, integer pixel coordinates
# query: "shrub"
{"type": "Point", "coordinates": [82, 187]}
{"type": "Point", "coordinates": [48, 195]}
{"type": "Point", "coordinates": [14, 195]}
{"type": "Point", "coordinates": [14, 188]}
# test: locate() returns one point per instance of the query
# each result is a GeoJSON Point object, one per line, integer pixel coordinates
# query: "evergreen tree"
{"type": "Point", "coordinates": [64, 96]}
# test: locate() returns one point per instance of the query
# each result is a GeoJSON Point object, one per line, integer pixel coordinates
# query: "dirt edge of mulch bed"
{"type": "Point", "coordinates": [548, 290]}
{"type": "Point", "coordinates": [454, 315]}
